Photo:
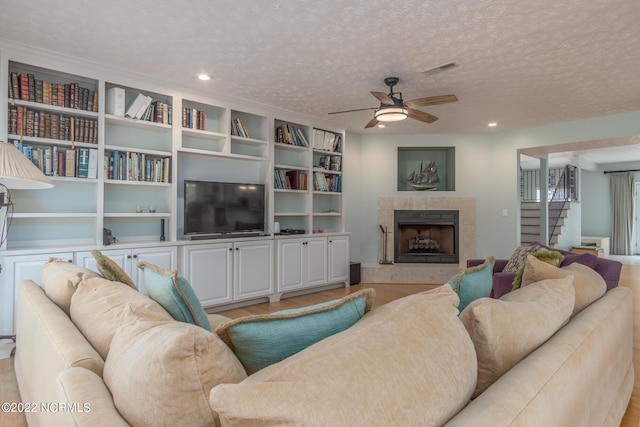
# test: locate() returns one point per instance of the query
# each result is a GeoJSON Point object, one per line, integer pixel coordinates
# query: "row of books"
{"type": "Point", "coordinates": [132, 166]}
{"type": "Point", "coordinates": [193, 118]}
{"type": "Point", "coordinates": [331, 183]}
{"type": "Point", "coordinates": [25, 121]}
{"type": "Point", "coordinates": [144, 108]}
{"type": "Point", "coordinates": [327, 141]}
{"type": "Point", "coordinates": [333, 163]}
{"type": "Point", "coordinates": [238, 129]}
{"type": "Point", "coordinates": [290, 134]}
{"type": "Point", "coordinates": [70, 95]}
{"type": "Point", "coordinates": [290, 180]}
{"type": "Point", "coordinates": [67, 162]}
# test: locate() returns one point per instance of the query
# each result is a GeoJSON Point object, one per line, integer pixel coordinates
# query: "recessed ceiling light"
{"type": "Point", "coordinates": [492, 125]}
{"type": "Point", "coordinates": [381, 125]}
{"type": "Point", "coordinates": [204, 77]}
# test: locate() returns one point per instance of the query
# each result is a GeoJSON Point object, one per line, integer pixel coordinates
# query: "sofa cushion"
{"type": "Point", "coordinates": [263, 340]}
{"type": "Point", "coordinates": [554, 258]}
{"type": "Point", "coordinates": [588, 284]}
{"type": "Point", "coordinates": [110, 270]}
{"type": "Point", "coordinates": [59, 281]}
{"type": "Point", "coordinates": [160, 372]}
{"type": "Point", "coordinates": [175, 294]}
{"type": "Point", "coordinates": [473, 282]}
{"type": "Point", "coordinates": [519, 257]}
{"type": "Point", "coordinates": [406, 363]}
{"type": "Point", "coordinates": [97, 306]}
{"type": "Point", "coordinates": [505, 331]}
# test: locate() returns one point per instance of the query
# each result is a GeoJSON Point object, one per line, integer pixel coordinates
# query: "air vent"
{"type": "Point", "coordinates": [440, 68]}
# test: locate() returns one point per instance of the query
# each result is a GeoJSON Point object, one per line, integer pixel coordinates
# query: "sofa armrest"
{"type": "Point", "coordinates": [610, 271]}
{"type": "Point", "coordinates": [85, 389]}
{"type": "Point", "coordinates": [498, 264]}
{"type": "Point", "coordinates": [502, 284]}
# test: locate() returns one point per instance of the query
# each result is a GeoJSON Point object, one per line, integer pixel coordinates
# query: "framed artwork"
{"type": "Point", "coordinates": [426, 168]}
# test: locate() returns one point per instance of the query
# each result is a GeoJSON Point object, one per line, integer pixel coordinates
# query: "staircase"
{"type": "Point", "coordinates": [530, 223]}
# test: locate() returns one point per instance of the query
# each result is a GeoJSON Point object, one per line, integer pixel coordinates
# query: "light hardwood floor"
{"type": "Point", "coordinates": [384, 293]}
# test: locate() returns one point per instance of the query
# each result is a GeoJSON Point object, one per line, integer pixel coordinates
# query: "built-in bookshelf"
{"type": "Point", "coordinates": [327, 181]}
{"type": "Point", "coordinates": [313, 157]}
{"type": "Point", "coordinates": [52, 118]}
{"type": "Point", "coordinates": [249, 135]}
{"type": "Point", "coordinates": [137, 163]}
{"type": "Point", "coordinates": [118, 150]}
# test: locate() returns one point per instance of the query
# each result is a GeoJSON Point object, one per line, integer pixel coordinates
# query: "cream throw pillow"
{"type": "Point", "coordinates": [588, 284]}
{"type": "Point", "coordinates": [160, 372]}
{"type": "Point", "coordinates": [399, 359]}
{"type": "Point", "coordinates": [505, 331]}
{"type": "Point", "coordinates": [97, 306]}
{"type": "Point", "coordinates": [59, 281]}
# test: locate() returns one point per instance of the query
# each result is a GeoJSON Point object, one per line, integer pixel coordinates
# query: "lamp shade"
{"type": "Point", "coordinates": [391, 113]}
{"type": "Point", "coordinates": [17, 172]}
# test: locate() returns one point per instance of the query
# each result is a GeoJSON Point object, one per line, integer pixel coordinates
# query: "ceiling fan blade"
{"type": "Point", "coordinates": [371, 123]}
{"type": "Point", "coordinates": [421, 115]}
{"type": "Point", "coordinates": [431, 100]}
{"type": "Point", "coordinates": [350, 111]}
{"type": "Point", "coordinates": [383, 97]}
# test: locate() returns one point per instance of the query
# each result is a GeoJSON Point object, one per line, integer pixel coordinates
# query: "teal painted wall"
{"type": "Point", "coordinates": [486, 168]}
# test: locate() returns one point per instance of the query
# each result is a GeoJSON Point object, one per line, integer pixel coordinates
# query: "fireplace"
{"type": "Point", "coordinates": [426, 236]}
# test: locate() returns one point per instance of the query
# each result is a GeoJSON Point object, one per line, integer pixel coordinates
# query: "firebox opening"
{"type": "Point", "coordinates": [426, 237]}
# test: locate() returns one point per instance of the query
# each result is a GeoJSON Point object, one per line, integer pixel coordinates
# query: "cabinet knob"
{"type": "Point", "coordinates": [230, 249]}
{"type": "Point", "coordinates": [135, 256]}
{"type": "Point", "coordinates": [128, 256]}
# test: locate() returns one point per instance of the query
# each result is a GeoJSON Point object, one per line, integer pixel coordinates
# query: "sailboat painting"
{"type": "Point", "coordinates": [424, 178]}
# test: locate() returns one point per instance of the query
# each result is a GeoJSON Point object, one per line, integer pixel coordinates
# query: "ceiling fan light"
{"type": "Point", "coordinates": [391, 114]}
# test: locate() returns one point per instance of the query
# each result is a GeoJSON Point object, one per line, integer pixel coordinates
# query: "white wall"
{"type": "Point", "coordinates": [486, 168]}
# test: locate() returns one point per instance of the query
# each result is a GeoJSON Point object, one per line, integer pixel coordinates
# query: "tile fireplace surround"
{"type": "Point", "coordinates": [422, 273]}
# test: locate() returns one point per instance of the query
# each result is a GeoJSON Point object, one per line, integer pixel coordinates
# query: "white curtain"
{"type": "Point", "coordinates": [622, 204]}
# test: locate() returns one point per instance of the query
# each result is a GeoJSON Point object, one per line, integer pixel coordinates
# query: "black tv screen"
{"type": "Point", "coordinates": [223, 207]}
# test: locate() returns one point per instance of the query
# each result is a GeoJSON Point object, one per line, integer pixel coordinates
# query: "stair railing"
{"type": "Point", "coordinates": [564, 192]}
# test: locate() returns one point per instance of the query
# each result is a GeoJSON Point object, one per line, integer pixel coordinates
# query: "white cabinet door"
{"type": "Point", "coordinates": [253, 269]}
{"type": "Point", "coordinates": [127, 259]}
{"type": "Point", "coordinates": [291, 264]}
{"type": "Point", "coordinates": [302, 263]}
{"type": "Point", "coordinates": [14, 270]}
{"type": "Point", "coordinates": [209, 270]}
{"type": "Point", "coordinates": [339, 259]}
{"type": "Point", "coordinates": [315, 253]}
{"type": "Point", "coordinates": [164, 257]}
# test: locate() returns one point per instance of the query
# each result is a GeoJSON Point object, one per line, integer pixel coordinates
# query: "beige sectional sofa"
{"type": "Point", "coordinates": [106, 355]}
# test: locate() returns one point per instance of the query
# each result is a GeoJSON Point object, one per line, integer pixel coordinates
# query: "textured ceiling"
{"type": "Point", "coordinates": [522, 63]}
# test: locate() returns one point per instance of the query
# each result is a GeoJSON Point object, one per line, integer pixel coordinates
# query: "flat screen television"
{"type": "Point", "coordinates": [219, 208]}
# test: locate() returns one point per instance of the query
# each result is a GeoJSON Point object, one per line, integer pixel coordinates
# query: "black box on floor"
{"type": "Point", "coordinates": [355, 273]}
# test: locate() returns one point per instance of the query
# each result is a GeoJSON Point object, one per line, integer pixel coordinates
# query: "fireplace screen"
{"type": "Point", "coordinates": [426, 236]}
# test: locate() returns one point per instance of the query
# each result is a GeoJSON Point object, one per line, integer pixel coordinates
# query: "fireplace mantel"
{"type": "Point", "coordinates": [431, 273]}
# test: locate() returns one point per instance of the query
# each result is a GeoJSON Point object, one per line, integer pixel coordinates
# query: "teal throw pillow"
{"type": "Point", "coordinates": [262, 340]}
{"type": "Point", "coordinates": [174, 294]}
{"type": "Point", "coordinates": [473, 282]}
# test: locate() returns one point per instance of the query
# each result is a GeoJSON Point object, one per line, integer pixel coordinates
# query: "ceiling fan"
{"type": "Point", "coordinates": [393, 109]}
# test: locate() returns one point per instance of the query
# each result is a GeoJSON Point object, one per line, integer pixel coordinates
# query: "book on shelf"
{"type": "Point", "coordinates": [70, 162]}
{"type": "Point", "coordinates": [238, 129]}
{"type": "Point", "coordinates": [143, 107]}
{"type": "Point", "coordinates": [114, 101]}
{"type": "Point", "coordinates": [83, 162]}
{"type": "Point", "coordinates": [134, 106]}
{"type": "Point", "coordinates": [320, 182]}
{"type": "Point", "coordinates": [327, 141]}
{"type": "Point", "coordinates": [93, 164]}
